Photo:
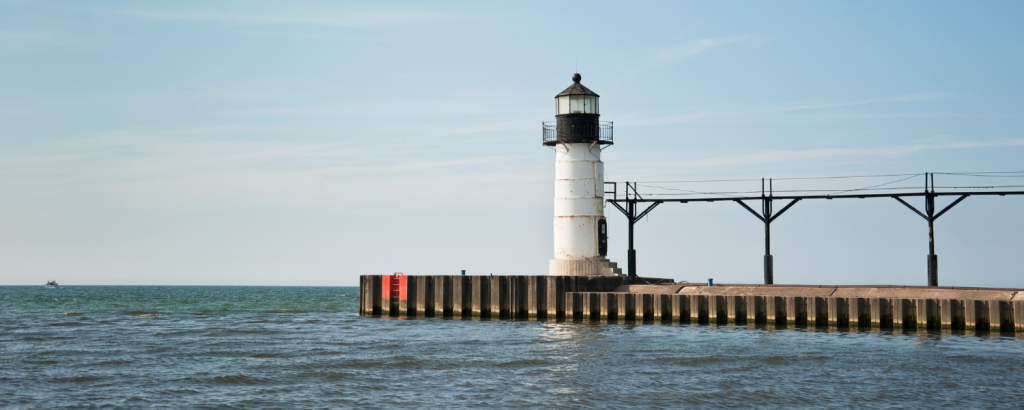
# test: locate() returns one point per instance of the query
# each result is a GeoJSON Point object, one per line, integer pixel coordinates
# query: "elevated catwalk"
{"type": "Point", "coordinates": [603, 298]}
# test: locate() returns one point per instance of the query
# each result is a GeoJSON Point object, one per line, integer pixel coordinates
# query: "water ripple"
{"type": "Point", "coordinates": [243, 347]}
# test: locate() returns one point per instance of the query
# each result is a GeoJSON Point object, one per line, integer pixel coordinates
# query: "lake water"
{"type": "Point", "coordinates": [306, 347]}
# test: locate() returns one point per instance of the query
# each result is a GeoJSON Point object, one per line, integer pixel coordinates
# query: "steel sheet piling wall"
{"type": "Point", "coordinates": [481, 297]}
{"type": "Point", "coordinates": [839, 312]}
{"type": "Point", "coordinates": [796, 311]}
{"type": "Point", "coordinates": [1006, 322]}
{"type": "Point", "coordinates": [407, 297]}
{"type": "Point", "coordinates": [665, 302]}
{"type": "Point", "coordinates": [957, 312]}
{"type": "Point", "coordinates": [555, 288]}
{"type": "Point", "coordinates": [538, 297]}
{"type": "Point", "coordinates": [499, 297]}
{"type": "Point", "coordinates": [628, 305]}
{"type": "Point", "coordinates": [604, 307]}
{"type": "Point", "coordinates": [443, 296]}
{"type": "Point", "coordinates": [699, 309]}
{"type": "Point", "coordinates": [362, 295]}
{"type": "Point", "coordinates": [459, 296]}
{"type": "Point", "coordinates": [375, 294]}
{"type": "Point", "coordinates": [593, 309]}
{"type": "Point", "coordinates": [757, 310]}
{"type": "Point", "coordinates": [424, 295]}
{"type": "Point", "coordinates": [821, 311]}
{"type": "Point", "coordinates": [681, 308]}
{"type": "Point", "coordinates": [1018, 315]}
{"type": "Point", "coordinates": [981, 315]}
{"type": "Point", "coordinates": [577, 305]}
{"type": "Point", "coordinates": [591, 298]}
{"type": "Point", "coordinates": [385, 298]}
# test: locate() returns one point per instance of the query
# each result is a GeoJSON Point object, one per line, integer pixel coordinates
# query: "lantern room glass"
{"type": "Point", "coordinates": [577, 104]}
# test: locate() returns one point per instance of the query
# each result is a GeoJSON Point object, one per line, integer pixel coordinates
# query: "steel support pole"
{"type": "Point", "coordinates": [929, 209]}
{"type": "Point", "coordinates": [933, 270]}
{"type": "Point", "coordinates": [631, 215]}
{"type": "Point", "coordinates": [631, 254]}
{"type": "Point", "coordinates": [933, 259]}
{"type": "Point", "coordinates": [766, 212]}
{"type": "Point", "coordinates": [769, 267]}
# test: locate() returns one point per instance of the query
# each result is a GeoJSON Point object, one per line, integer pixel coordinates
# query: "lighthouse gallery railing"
{"type": "Point", "coordinates": [550, 131]}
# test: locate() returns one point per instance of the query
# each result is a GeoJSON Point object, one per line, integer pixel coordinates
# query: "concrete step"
{"type": "Point", "coordinates": [610, 268]}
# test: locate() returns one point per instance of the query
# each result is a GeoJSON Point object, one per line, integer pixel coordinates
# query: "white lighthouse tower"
{"type": "Point", "coordinates": [581, 231]}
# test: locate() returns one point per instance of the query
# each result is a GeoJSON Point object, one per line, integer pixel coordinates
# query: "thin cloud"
{"type": "Point", "coordinates": [439, 131]}
{"type": "Point", "coordinates": [686, 50]}
{"type": "Point", "coordinates": [777, 156]}
{"type": "Point", "coordinates": [330, 17]}
{"type": "Point", "coordinates": [136, 167]}
{"type": "Point", "coordinates": [11, 41]}
{"type": "Point", "coordinates": [777, 109]}
{"type": "Point", "coordinates": [426, 108]}
{"type": "Point", "coordinates": [694, 47]}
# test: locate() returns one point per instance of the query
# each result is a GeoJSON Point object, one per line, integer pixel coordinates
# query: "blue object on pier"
{"type": "Point", "coordinates": [711, 282]}
{"type": "Point", "coordinates": [463, 272]}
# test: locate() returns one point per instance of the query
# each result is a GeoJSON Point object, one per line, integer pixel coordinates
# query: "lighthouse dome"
{"type": "Point", "coordinates": [577, 99]}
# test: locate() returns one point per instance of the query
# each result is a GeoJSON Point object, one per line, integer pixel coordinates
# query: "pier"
{"type": "Point", "coordinates": [582, 284]}
{"type": "Point", "coordinates": [614, 299]}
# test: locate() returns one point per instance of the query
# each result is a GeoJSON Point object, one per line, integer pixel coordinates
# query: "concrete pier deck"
{"type": "Point", "coordinates": [602, 298]}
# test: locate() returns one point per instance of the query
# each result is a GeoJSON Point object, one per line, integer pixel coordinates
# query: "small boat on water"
{"type": "Point", "coordinates": [52, 284]}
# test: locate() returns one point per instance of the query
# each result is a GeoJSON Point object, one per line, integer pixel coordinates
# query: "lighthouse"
{"type": "Point", "coordinates": [578, 136]}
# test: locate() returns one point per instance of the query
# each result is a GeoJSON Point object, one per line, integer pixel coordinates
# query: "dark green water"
{"type": "Point", "coordinates": [296, 347]}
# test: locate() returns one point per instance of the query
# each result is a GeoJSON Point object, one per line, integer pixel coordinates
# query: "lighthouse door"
{"type": "Point", "coordinates": [602, 237]}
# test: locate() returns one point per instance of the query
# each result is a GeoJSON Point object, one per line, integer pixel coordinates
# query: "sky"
{"type": "Point", "coordinates": [307, 143]}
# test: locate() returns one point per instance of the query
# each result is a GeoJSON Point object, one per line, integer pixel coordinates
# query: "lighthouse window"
{"type": "Point", "coordinates": [576, 104]}
{"type": "Point", "coordinates": [583, 104]}
{"type": "Point", "coordinates": [563, 105]}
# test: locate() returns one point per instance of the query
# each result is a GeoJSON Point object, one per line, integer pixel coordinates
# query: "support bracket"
{"type": "Point", "coordinates": [911, 207]}
{"type": "Point", "coordinates": [750, 209]}
{"type": "Point", "coordinates": [948, 207]}
{"type": "Point", "coordinates": [644, 213]}
{"type": "Point", "coordinates": [791, 203]}
{"type": "Point", "coordinates": [619, 207]}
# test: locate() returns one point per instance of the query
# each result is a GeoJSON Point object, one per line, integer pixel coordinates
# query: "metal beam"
{"type": "Point", "coordinates": [750, 209]}
{"type": "Point", "coordinates": [783, 210]}
{"type": "Point", "coordinates": [769, 217]}
{"type": "Point", "coordinates": [619, 207]}
{"type": "Point", "coordinates": [889, 195]}
{"type": "Point", "coordinates": [911, 207]}
{"type": "Point", "coordinates": [950, 206]}
{"type": "Point", "coordinates": [644, 213]}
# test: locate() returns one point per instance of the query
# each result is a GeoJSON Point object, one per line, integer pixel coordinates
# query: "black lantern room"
{"type": "Point", "coordinates": [577, 112]}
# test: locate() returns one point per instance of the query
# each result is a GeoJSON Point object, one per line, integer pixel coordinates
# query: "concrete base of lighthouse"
{"type": "Point", "coordinates": [583, 267]}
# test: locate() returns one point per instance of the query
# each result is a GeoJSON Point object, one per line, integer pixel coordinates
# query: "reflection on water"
{"type": "Point", "coordinates": [306, 347]}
